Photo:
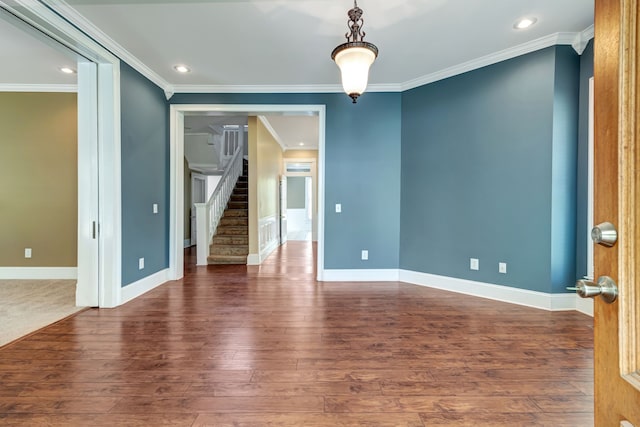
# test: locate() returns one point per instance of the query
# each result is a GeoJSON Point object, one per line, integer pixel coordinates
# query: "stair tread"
{"type": "Point", "coordinates": [232, 234]}
{"type": "Point", "coordinates": [242, 259]}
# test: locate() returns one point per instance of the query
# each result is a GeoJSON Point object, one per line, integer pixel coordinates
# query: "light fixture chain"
{"type": "Point", "coordinates": [355, 24]}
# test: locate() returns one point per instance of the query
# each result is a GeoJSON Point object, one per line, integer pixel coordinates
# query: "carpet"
{"type": "Point", "coordinates": [28, 305]}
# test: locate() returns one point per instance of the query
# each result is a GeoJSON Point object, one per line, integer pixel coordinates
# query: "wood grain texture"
{"type": "Point", "coordinates": [615, 169]}
{"type": "Point", "coordinates": [269, 346]}
{"type": "Point", "coordinates": [629, 189]}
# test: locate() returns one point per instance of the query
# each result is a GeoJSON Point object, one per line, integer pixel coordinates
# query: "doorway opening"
{"type": "Point", "coordinates": [98, 149]}
{"type": "Point", "coordinates": [301, 198]}
{"type": "Point", "coordinates": [177, 211]}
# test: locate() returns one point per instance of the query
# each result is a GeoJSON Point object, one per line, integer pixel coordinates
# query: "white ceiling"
{"type": "Point", "coordinates": [289, 42]}
{"type": "Point", "coordinates": [285, 45]}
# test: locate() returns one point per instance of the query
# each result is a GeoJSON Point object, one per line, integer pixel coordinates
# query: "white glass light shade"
{"type": "Point", "coordinates": [354, 63]}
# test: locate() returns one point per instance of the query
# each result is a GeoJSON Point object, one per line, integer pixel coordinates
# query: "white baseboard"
{"type": "Point", "coordinates": [541, 300]}
{"type": "Point", "coordinates": [381, 275]}
{"type": "Point", "coordinates": [584, 305]}
{"type": "Point", "coordinates": [253, 259]}
{"type": "Point", "coordinates": [256, 259]}
{"type": "Point", "coordinates": [186, 243]}
{"type": "Point", "coordinates": [142, 286]}
{"type": "Point", "coordinates": [272, 246]}
{"type": "Point", "coordinates": [38, 273]}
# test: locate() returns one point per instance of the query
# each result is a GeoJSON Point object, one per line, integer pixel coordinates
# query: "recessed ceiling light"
{"type": "Point", "coordinates": [182, 68]}
{"type": "Point", "coordinates": [67, 70]}
{"type": "Point", "coordinates": [523, 23]}
{"type": "Point", "coordinates": [301, 144]}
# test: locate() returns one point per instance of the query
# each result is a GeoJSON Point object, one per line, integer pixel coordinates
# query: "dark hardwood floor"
{"type": "Point", "coordinates": [270, 346]}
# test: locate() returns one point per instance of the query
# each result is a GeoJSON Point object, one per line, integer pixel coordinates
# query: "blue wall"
{"type": "Point", "coordinates": [582, 234]}
{"type": "Point", "coordinates": [145, 175]}
{"type": "Point", "coordinates": [479, 165]}
{"type": "Point", "coordinates": [477, 155]}
{"type": "Point", "coordinates": [362, 172]}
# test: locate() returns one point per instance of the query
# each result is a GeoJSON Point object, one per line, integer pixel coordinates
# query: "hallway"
{"type": "Point", "coordinates": [268, 345]}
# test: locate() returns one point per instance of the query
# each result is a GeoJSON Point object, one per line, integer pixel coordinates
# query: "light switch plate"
{"type": "Point", "coordinates": [365, 255]}
{"type": "Point", "coordinates": [502, 267]}
{"type": "Point", "coordinates": [474, 264]}
{"type": "Point", "coordinates": [155, 208]}
{"type": "Point", "coordinates": [338, 208]}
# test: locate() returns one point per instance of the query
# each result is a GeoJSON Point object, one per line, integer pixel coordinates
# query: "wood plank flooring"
{"type": "Point", "coordinates": [269, 346]}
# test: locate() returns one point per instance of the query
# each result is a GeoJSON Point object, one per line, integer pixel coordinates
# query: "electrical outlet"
{"type": "Point", "coordinates": [502, 267]}
{"type": "Point", "coordinates": [27, 252]}
{"type": "Point", "coordinates": [140, 263]}
{"type": "Point", "coordinates": [338, 208]}
{"type": "Point", "coordinates": [365, 255]}
{"type": "Point", "coordinates": [155, 208]}
{"type": "Point", "coordinates": [474, 264]}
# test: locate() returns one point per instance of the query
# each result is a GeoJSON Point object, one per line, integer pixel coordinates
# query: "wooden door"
{"type": "Point", "coordinates": [617, 200]}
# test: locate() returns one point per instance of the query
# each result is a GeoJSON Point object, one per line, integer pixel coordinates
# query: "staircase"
{"type": "Point", "coordinates": [230, 244]}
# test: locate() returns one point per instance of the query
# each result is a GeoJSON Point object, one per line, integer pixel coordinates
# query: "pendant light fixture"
{"type": "Point", "coordinates": [355, 56]}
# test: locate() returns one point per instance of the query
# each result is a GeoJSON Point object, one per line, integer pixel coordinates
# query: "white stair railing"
{"type": "Point", "coordinates": [208, 214]}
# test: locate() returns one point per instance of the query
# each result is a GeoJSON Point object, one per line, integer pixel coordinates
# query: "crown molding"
{"type": "Point", "coordinates": [83, 24]}
{"type": "Point", "coordinates": [9, 87]}
{"type": "Point", "coordinates": [272, 131]}
{"type": "Point", "coordinates": [581, 39]}
{"type": "Point", "coordinates": [494, 58]}
{"type": "Point", "coordinates": [578, 41]}
{"type": "Point", "coordinates": [279, 88]}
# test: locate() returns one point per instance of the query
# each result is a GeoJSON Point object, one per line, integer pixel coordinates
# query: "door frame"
{"type": "Point", "coordinates": [314, 187]}
{"type": "Point", "coordinates": [176, 180]}
{"type": "Point", "coordinates": [99, 274]}
{"type": "Point", "coordinates": [195, 176]}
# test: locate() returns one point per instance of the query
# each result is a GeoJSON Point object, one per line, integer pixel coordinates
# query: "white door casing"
{"type": "Point", "coordinates": [99, 272]}
{"type": "Point", "coordinates": [283, 209]}
{"type": "Point", "coordinates": [198, 195]}
{"type": "Point", "coordinates": [176, 199]}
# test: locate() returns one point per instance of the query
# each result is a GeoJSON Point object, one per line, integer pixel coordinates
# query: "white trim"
{"type": "Point", "coordinates": [590, 184]}
{"type": "Point", "coordinates": [541, 300]}
{"type": "Point", "coordinates": [272, 131]}
{"type": "Point", "coordinates": [187, 243]}
{"type": "Point", "coordinates": [176, 193]}
{"type": "Point", "coordinates": [264, 253]}
{"type": "Point", "coordinates": [176, 187]}
{"type": "Point", "coordinates": [253, 259]}
{"type": "Point", "coordinates": [16, 87]}
{"type": "Point", "coordinates": [110, 171]}
{"type": "Point", "coordinates": [588, 33]}
{"type": "Point", "coordinates": [268, 235]}
{"type": "Point", "coordinates": [88, 210]}
{"type": "Point", "coordinates": [314, 177]}
{"type": "Point", "coordinates": [493, 58]}
{"type": "Point", "coordinates": [86, 26]}
{"type": "Point", "coordinates": [38, 273]}
{"type": "Point", "coordinates": [45, 17]}
{"type": "Point", "coordinates": [381, 275]}
{"type": "Point", "coordinates": [142, 286]}
{"type": "Point", "coordinates": [320, 188]}
{"type": "Point", "coordinates": [577, 39]}
{"type": "Point", "coordinates": [319, 88]}
{"type": "Point", "coordinates": [584, 305]}
{"type": "Point", "coordinates": [561, 302]}
{"type": "Point", "coordinates": [581, 39]}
